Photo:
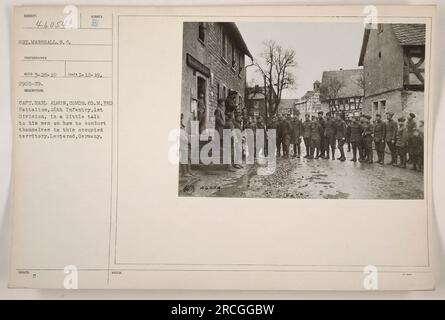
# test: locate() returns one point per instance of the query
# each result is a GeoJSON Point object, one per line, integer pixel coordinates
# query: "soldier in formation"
{"type": "Point", "coordinates": [324, 134]}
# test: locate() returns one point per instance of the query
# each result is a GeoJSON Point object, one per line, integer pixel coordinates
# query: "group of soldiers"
{"type": "Point", "coordinates": [324, 134]}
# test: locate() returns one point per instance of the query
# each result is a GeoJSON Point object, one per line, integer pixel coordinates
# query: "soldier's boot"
{"type": "Point", "coordinates": [354, 154]}
{"type": "Point", "coordinates": [312, 153]}
{"type": "Point", "coordinates": [327, 153]}
{"type": "Point", "coordinates": [342, 155]}
{"type": "Point", "coordinates": [295, 150]}
{"type": "Point", "coordinates": [317, 153]}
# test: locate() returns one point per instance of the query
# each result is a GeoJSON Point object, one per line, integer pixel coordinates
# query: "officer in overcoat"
{"type": "Point", "coordinates": [340, 135]}
{"type": "Point", "coordinates": [379, 138]}
{"type": "Point", "coordinates": [390, 136]}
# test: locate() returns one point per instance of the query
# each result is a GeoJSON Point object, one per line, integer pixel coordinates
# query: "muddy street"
{"type": "Point", "coordinates": [302, 178]}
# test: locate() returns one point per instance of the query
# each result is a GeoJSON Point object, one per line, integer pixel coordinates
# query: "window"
{"type": "Point", "coordinates": [224, 44]}
{"type": "Point", "coordinates": [218, 93]}
{"type": "Point", "coordinates": [240, 63]}
{"type": "Point", "coordinates": [380, 54]}
{"type": "Point", "coordinates": [382, 107]}
{"type": "Point", "coordinates": [201, 32]}
{"type": "Point", "coordinates": [375, 108]}
{"type": "Point", "coordinates": [233, 57]}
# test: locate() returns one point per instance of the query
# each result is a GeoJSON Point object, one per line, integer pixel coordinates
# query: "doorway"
{"type": "Point", "coordinates": [202, 112]}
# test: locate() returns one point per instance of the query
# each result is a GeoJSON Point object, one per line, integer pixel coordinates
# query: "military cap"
{"type": "Point", "coordinates": [390, 113]}
{"type": "Point", "coordinates": [401, 119]}
{"type": "Point", "coordinates": [378, 115]}
{"type": "Point", "coordinates": [412, 115]}
{"type": "Point", "coordinates": [320, 112]}
{"type": "Point", "coordinates": [221, 100]}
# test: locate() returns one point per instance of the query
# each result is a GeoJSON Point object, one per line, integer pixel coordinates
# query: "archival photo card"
{"type": "Point", "coordinates": [222, 147]}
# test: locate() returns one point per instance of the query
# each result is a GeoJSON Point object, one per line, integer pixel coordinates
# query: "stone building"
{"type": "Point", "coordinates": [342, 91]}
{"type": "Point", "coordinates": [393, 58]}
{"type": "Point", "coordinates": [213, 64]}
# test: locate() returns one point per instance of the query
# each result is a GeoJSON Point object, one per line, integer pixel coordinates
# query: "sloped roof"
{"type": "Point", "coordinates": [257, 92]}
{"type": "Point", "coordinates": [406, 34]}
{"type": "Point", "coordinates": [287, 103]}
{"type": "Point", "coordinates": [256, 96]}
{"type": "Point", "coordinates": [350, 79]}
{"type": "Point", "coordinates": [308, 94]}
{"type": "Point", "coordinates": [410, 34]}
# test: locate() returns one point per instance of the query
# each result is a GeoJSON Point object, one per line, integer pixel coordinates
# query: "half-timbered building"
{"type": "Point", "coordinates": [341, 91]}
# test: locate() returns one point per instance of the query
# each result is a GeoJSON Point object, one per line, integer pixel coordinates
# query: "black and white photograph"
{"type": "Point", "coordinates": [303, 110]}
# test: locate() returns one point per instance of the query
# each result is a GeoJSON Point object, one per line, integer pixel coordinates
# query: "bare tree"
{"type": "Point", "coordinates": [276, 66]}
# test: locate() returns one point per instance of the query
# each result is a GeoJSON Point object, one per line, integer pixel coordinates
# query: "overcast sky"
{"type": "Point", "coordinates": [318, 47]}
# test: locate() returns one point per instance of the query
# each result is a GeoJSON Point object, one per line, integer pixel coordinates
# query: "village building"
{"type": "Point", "coordinates": [213, 67]}
{"type": "Point", "coordinates": [393, 58]}
{"type": "Point", "coordinates": [342, 92]}
{"type": "Point", "coordinates": [310, 103]}
{"type": "Point", "coordinates": [287, 107]}
{"type": "Point", "coordinates": [255, 101]}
